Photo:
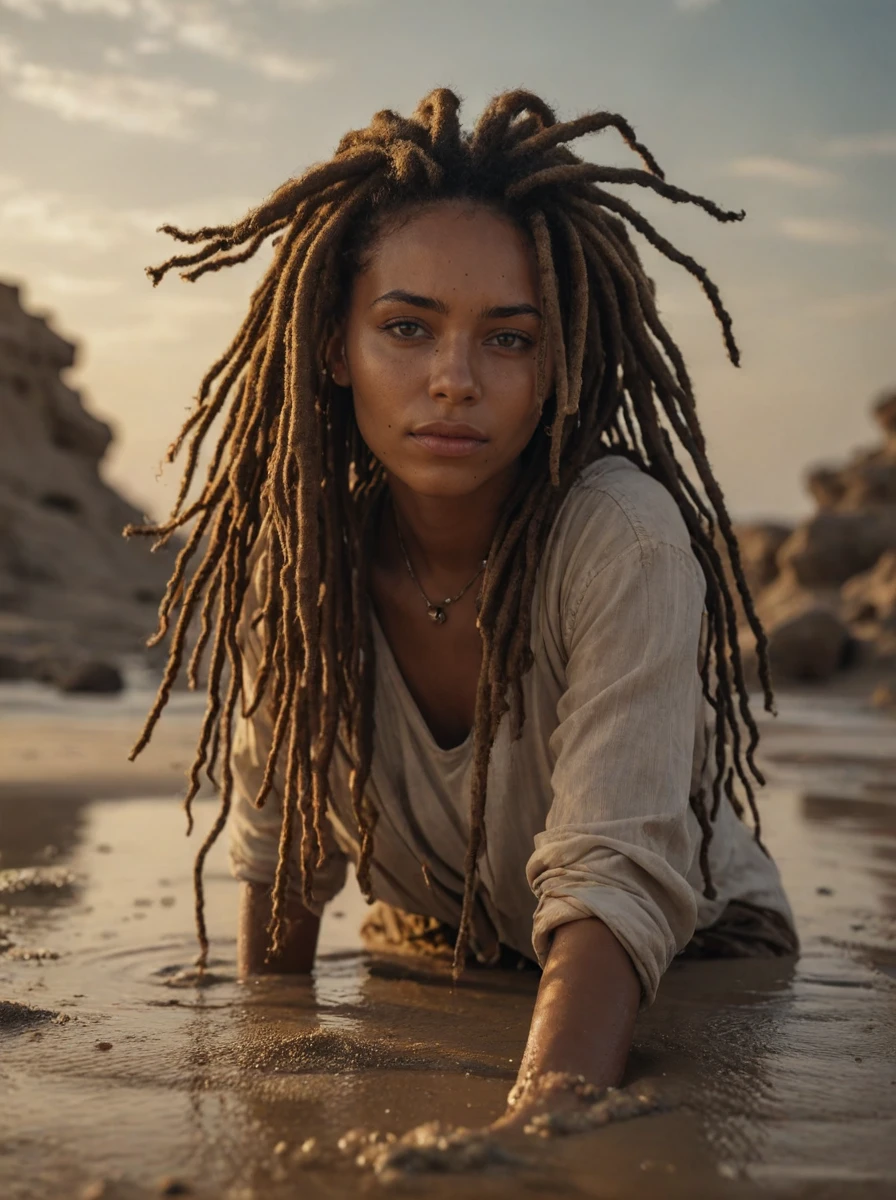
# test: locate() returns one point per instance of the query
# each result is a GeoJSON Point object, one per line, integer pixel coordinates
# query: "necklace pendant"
{"type": "Point", "coordinates": [437, 614]}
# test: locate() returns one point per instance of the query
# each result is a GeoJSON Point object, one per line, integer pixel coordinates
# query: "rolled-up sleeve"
{"type": "Point", "coordinates": [254, 833]}
{"type": "Point", "coordinates": [618, 841]}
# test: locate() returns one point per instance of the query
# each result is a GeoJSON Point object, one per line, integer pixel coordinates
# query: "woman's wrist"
{"type": "Point", "coordinates": [300, 930]}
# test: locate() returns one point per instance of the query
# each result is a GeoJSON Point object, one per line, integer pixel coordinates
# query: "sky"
{"type": "Point", "coordinates": [119, 115]}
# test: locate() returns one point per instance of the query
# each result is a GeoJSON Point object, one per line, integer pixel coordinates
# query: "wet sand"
{"type": "Point", "coordinates": [120, 1078]}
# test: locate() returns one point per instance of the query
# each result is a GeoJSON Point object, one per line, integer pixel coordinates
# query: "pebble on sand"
{"type": "Point", "coordinates": [170, 1186]}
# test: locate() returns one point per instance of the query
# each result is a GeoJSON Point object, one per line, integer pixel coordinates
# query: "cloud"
{"type": "Point", "coordinates": [862, 145]}
{"type": "Point", "coordinates": [781, 170]}
{"type": "Point", "coordinates": [150, 45]}
{"type": "Point", "coordinates": [282, 66]}
{"type": "Point", "coordinates": [125, 102]}
{"type": "Point", "coordinates": [43, 217]}
{"type": "Point", "coordinates": [209, 36]}
{"type": "Point", "coordinates": [80, 285]}
{"type": "Point", "coordinates": [37, 9]}
{"type": "Point", "coordinates": [47, 218]}
{"type": "Point", "coordinates": [25, 8]}
{"type": "Point", "coordinates": [694, 5]}
{"type": "Point", "coordinates": [314, 6]}
{"type": "Point", "coordinates": [827, 232]}
{"type": "Point", "coordinates": [858, 306]}
{"type": "Point", "coordinates": [199, 26]}
{"type": "Point", "coordinates": [151, 322]}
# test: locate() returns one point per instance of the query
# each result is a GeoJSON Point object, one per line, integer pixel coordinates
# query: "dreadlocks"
{"type": "Point", "coordinates": [290, 467]}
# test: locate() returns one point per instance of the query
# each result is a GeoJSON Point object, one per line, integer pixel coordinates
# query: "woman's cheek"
{"type": "Point", "coordinates": [378, 427]}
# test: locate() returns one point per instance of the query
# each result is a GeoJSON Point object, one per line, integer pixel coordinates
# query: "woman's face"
{"type": "Point", "coordinates": [440, 349]}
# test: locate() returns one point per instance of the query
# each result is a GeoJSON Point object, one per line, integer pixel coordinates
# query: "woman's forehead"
{"type": "Point", "coordinates": [455, 246]}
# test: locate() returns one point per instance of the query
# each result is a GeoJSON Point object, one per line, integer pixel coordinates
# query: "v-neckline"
{"type": "Point", "coordinates": [384, 651]}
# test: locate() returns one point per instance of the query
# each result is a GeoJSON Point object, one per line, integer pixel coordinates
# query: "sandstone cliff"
{"type": "Point", "coordinates": [71, 587]}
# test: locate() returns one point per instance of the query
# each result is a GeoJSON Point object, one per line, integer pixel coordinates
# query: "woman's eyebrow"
{"type": "Point", "coordinates": [500, 311]}
{"type": "Point", "coordinates": [412, 298]}
{"type": "Point", "coordinates": [511, 310]}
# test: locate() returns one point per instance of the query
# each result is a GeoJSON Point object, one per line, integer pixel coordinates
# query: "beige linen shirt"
{"type": "Point", "coordinates": [588, 812]}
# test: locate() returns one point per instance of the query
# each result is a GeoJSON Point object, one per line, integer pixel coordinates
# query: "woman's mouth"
{"type": "Point", "coordinates": [452, 439]}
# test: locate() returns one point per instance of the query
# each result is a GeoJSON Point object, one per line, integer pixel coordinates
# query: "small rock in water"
{"type": "Point", "coordinates": [170, 1186]}
{"type": "Point", "coordinates": [306, 1155]}
{"type": "Point", "coordinates": [12, 668]}
{"type": "Point", "coordinates": [884, 696]}
{"type": "Point", "coordinates": [97, 1190]}
{"type": "Point", "coordinates": [97, 678]}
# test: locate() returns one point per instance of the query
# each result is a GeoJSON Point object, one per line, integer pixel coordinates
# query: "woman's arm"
{"type": "Point", "coordinates": [610, 868]}
{"type": "Point", "coordinates": [583, 1020]}
{"type": "Point", "coordinates": [254, 833]}
{"type": "Point", "coordinates": [300, 935]}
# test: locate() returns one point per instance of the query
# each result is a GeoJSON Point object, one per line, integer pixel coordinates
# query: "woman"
{"type": "Point", "coordinates": [462, 544]}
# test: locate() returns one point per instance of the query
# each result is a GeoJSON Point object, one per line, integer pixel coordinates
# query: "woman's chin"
{"type": "Point", "coordinates": [448, 480]}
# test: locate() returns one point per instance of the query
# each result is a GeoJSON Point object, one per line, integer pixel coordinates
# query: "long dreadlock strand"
{"type": "Point", "coordinates": [551, 301]}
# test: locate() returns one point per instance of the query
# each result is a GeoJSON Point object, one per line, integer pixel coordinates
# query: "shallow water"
{"type": "Point", "coordinates": [776, 1078]}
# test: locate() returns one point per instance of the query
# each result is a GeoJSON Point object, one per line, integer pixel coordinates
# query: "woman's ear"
{"type": "Point", "coordinates": [336, 361]}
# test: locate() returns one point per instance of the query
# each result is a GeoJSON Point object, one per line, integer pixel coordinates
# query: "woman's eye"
{"type": "Point", "coordinates": [405, 330]}
{"type": "Point", "coordinates": [512, 341]}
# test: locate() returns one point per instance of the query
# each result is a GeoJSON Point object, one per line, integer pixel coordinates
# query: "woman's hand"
{"type": "Point", "coordinates": [554, 1093]}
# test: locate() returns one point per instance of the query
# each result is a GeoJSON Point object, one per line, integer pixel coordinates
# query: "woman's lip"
{"type": "Point", "coordinates": [449, 447]}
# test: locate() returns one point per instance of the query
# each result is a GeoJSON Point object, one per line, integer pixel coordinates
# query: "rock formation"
{"type": "Point", "coordinates": [826, 591]}
{"type": "Point", "coordinates": [71, 587]}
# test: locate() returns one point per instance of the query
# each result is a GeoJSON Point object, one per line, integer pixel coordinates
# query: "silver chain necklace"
{"type": "Point", "coordinates": [436, 612]}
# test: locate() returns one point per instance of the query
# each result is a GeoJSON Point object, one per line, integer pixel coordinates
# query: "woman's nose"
{"type": "Point", "coordinates": [453, 376]}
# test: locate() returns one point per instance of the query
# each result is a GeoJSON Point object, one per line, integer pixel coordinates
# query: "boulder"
{"type": "Point", "coordinates": [825, 486]}
{"type": "Point", "coordinates": [867, 481]}
{"type": "Point", "coordinates": [884, 697]}
{"type": "Point", "coordinates": [871, 596]}
{"type": "Point", "coordinates": [885, 414]}
{"type": "Point", "coordinates": [870, 482]}
{"type": "Point", "coordinates": [834, 545]}
{"type": "Point", "coordinates": [786, 596]}
{"type": "Point", "coordinates": [809, 646]}
{"type": "Point", "coordinates": [12, 668]}
{"type": "Point", "coordinates": [759, 545]}
{"type": "Point", "coordinates": [803, 644]}
{"type": "Point", "coordinates": [98, 678]}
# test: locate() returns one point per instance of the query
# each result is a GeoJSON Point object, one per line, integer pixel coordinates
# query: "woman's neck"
{"type": "Point", "coordinates": [446, 536]}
